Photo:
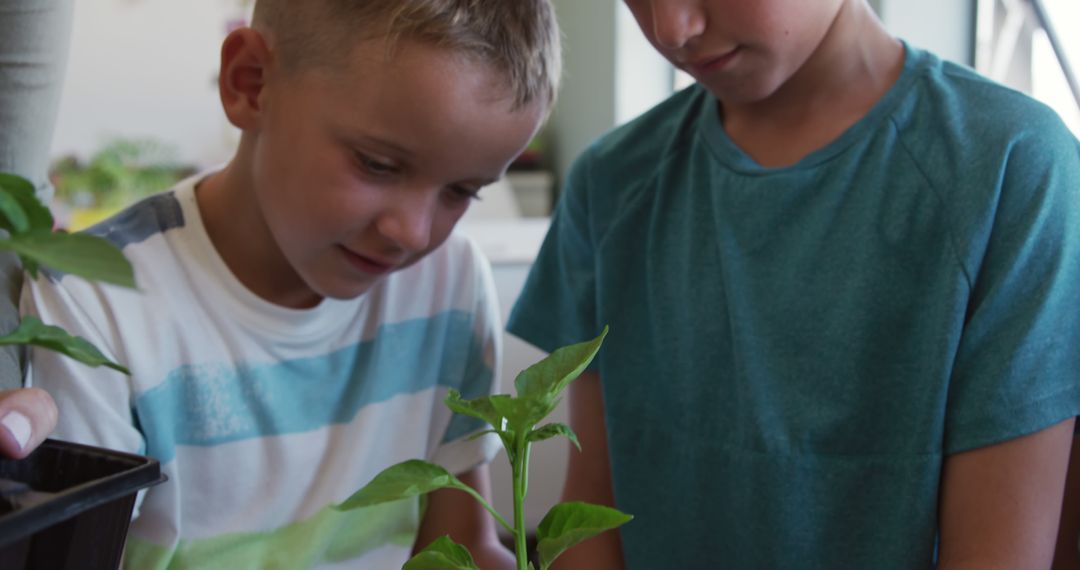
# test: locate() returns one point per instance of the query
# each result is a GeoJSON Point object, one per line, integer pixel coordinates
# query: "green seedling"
{"type": "Point", "coordinates": [30, 235]}
{"type": "Point", "coordinates": [514, 420]}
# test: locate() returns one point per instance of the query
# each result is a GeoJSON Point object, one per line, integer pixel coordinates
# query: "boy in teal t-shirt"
{"type": "Point", "coordinates": [841, 278]}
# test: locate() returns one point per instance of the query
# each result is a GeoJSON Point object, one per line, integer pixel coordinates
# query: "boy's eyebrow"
{"type": "Point", "coordinates": [361, 140]}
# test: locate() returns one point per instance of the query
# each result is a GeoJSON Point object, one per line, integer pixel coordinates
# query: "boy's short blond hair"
{"type": "Point", "coordinates": [519, 38]}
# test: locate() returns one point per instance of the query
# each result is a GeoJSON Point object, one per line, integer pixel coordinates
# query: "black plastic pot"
{"type": "Point", "coordinates": [79, 509]}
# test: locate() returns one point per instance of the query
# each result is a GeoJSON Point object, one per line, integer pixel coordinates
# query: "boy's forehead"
{"type": "Point", "coordinates": [377, 65]}
{"type": "Point", "coordinates": [422, 102]}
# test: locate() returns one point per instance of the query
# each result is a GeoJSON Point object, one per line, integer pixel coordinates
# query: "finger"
{"type": "Point", "coordinates": [27, 417]}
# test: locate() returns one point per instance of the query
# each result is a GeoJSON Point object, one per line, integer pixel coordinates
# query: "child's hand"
{"type": "Point", "coordinates": [27, 417]}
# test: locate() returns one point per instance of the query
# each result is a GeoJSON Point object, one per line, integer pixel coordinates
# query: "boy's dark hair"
{"type": "Point", "coordinates": [519, 38]}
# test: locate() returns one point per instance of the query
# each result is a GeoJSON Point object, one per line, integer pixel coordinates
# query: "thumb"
{"type": "Point", "coordinates": [27, 417]}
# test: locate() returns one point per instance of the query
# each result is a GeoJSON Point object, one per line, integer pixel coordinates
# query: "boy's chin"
{"type": "Point", "coordinates": [346, 291]}
{"type": "Point", "coordinates": [741, 93]}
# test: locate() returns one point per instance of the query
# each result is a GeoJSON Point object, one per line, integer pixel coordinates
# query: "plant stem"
{"type": "Point", "coordinates": [487, 506]}
{"type": "Point", "coordinates": [521, 485]}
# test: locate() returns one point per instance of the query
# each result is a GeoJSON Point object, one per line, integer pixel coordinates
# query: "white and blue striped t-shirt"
{"type": "Point", "coordinates": [262, 416]}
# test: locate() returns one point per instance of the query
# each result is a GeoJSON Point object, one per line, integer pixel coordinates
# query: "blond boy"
{"type": "Point", "coordinates": [304, 309]}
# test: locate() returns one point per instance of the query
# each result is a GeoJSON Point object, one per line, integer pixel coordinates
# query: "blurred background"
{"type": "Point", "coordinates": [140, 110]}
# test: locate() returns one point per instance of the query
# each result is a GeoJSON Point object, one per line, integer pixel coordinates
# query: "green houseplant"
{"type": "Point", "coordinates": [30, 235]}
{"type": "Point", "coordinates": [65, 506]}
{"type": "Point", "coordinates": [120, 173]}
{"type": "Point", "coordinates": [514, 420]}
{"type": "Point", "coordinates": [30, 225]}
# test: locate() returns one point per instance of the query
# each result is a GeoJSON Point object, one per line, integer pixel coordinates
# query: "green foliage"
{"type": "Point", "coordinates": [401, 481]}
{"type": "Point", "coordinates": [567, 524]}
{"type": "Point", "coordinates": [442, 554]}
{"type": "Point", "coordinates": [22, 211]}
{"type": "Point", "coordinates": [84, 255]}
{"type": "Point", "coordinates": [548, 378]}
{"type": "Point", "coordinates": [32, 331]}
{"type": "Point", "coordinates": [14, 216]}
{"type": "Point", "coordinates": [480, 408]}
{"type": "Point", "coordinates": [551, 430]}
{"type": "Point", "coordinates": [522, 412]}
{"type": "Point", "coordinates": [29, 226]}
{"type": "Point", "coordinates": [514, 420]}
{"type": "Point", "coordinates": [120, 173]}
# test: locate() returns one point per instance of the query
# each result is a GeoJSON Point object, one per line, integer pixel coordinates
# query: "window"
{"type": "Point", "coordinates": [1033, 46]}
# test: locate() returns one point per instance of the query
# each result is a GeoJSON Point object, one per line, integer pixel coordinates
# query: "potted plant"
{"type": "Point", "coordinates": [66, 505]}
{"type": "Point", "coordinates": [514, 420]}
{"type": "Point", "coordinates": [121, 172]}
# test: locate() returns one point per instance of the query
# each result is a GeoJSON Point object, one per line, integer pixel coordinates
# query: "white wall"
{"type": "Point", "coordinates": [586, 106]}
{"type": "Point", "coordinates": [611, 75]}
{"type": "Point", "coordinates": [643, 77]}
{"type": "Point", "coordinates": [945, 27]}
{"type": "Point", "coordinates": [146, 68]}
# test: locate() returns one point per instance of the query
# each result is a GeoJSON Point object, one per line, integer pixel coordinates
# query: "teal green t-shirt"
{"type": "Point", "coordinates": [794, 351]}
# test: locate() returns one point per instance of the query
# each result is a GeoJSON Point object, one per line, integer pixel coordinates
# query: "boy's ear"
{"type": "Point", "coordinates": [245, 60]}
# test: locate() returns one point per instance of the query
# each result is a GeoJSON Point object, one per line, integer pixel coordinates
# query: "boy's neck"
{"type": "Point", "coordinates": [853, 67]}
{"type": "Point", "coordinates": [237, 231]}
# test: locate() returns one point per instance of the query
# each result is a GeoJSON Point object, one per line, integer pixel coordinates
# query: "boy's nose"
{"type": "Point", "coordinates": [676, 22]}
{"type": "Point", "coordinates": [408, 222]}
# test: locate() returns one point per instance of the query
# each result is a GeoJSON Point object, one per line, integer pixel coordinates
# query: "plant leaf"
{"type": "Point", "coordinates": [84, 255]}
{"type": "Point", "coordinates": [479, 408]}
{"type": "Point", "coordinates": [442, 554]}
{"type": "Point", "coordinates": [401, 481]}
{"type": "Point", "coordinates": [507, 438]}
{"type": "Point", "coordinates": [552, 374]}
{"type": "Point", "coordinates": [568, 524]}
{"type": "Point", "coordinates": [551, 430]}
{"type": "Point", "coordinates": [484, 410]}
{"type": "Point", "coordinates": [15, 220]}
{"type": "Point", "coordinates": [480, 434]}
{"type": "Point", "coordinates": [409, 479]}
{"type": "Point", "coordinates": [32, 331]}
{"type": "Point", "coordinates": [37, 215]}
{"type": "Point", "coordinates": [523, 413]}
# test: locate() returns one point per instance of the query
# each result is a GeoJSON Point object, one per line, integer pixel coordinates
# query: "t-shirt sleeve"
{"type": "Point", "coordinates": [557, 305]}
{"type": "Point", "coordinates": [94, 402]}
{"type": "Point", "coordinates": [1017, 367]}
{"type": "Point", "coordinates": [459, 450]}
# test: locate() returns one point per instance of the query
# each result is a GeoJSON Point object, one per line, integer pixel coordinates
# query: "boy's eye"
{"type": "Point", "coordinates": [464, 193]}
{"type": "Point", "coordinates": [375, 166]}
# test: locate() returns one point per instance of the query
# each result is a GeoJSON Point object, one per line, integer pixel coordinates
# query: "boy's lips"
{"type": "Point", "coordinates": [709, 64]}
{"type": "Point", "coordinates": [367, 264]}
